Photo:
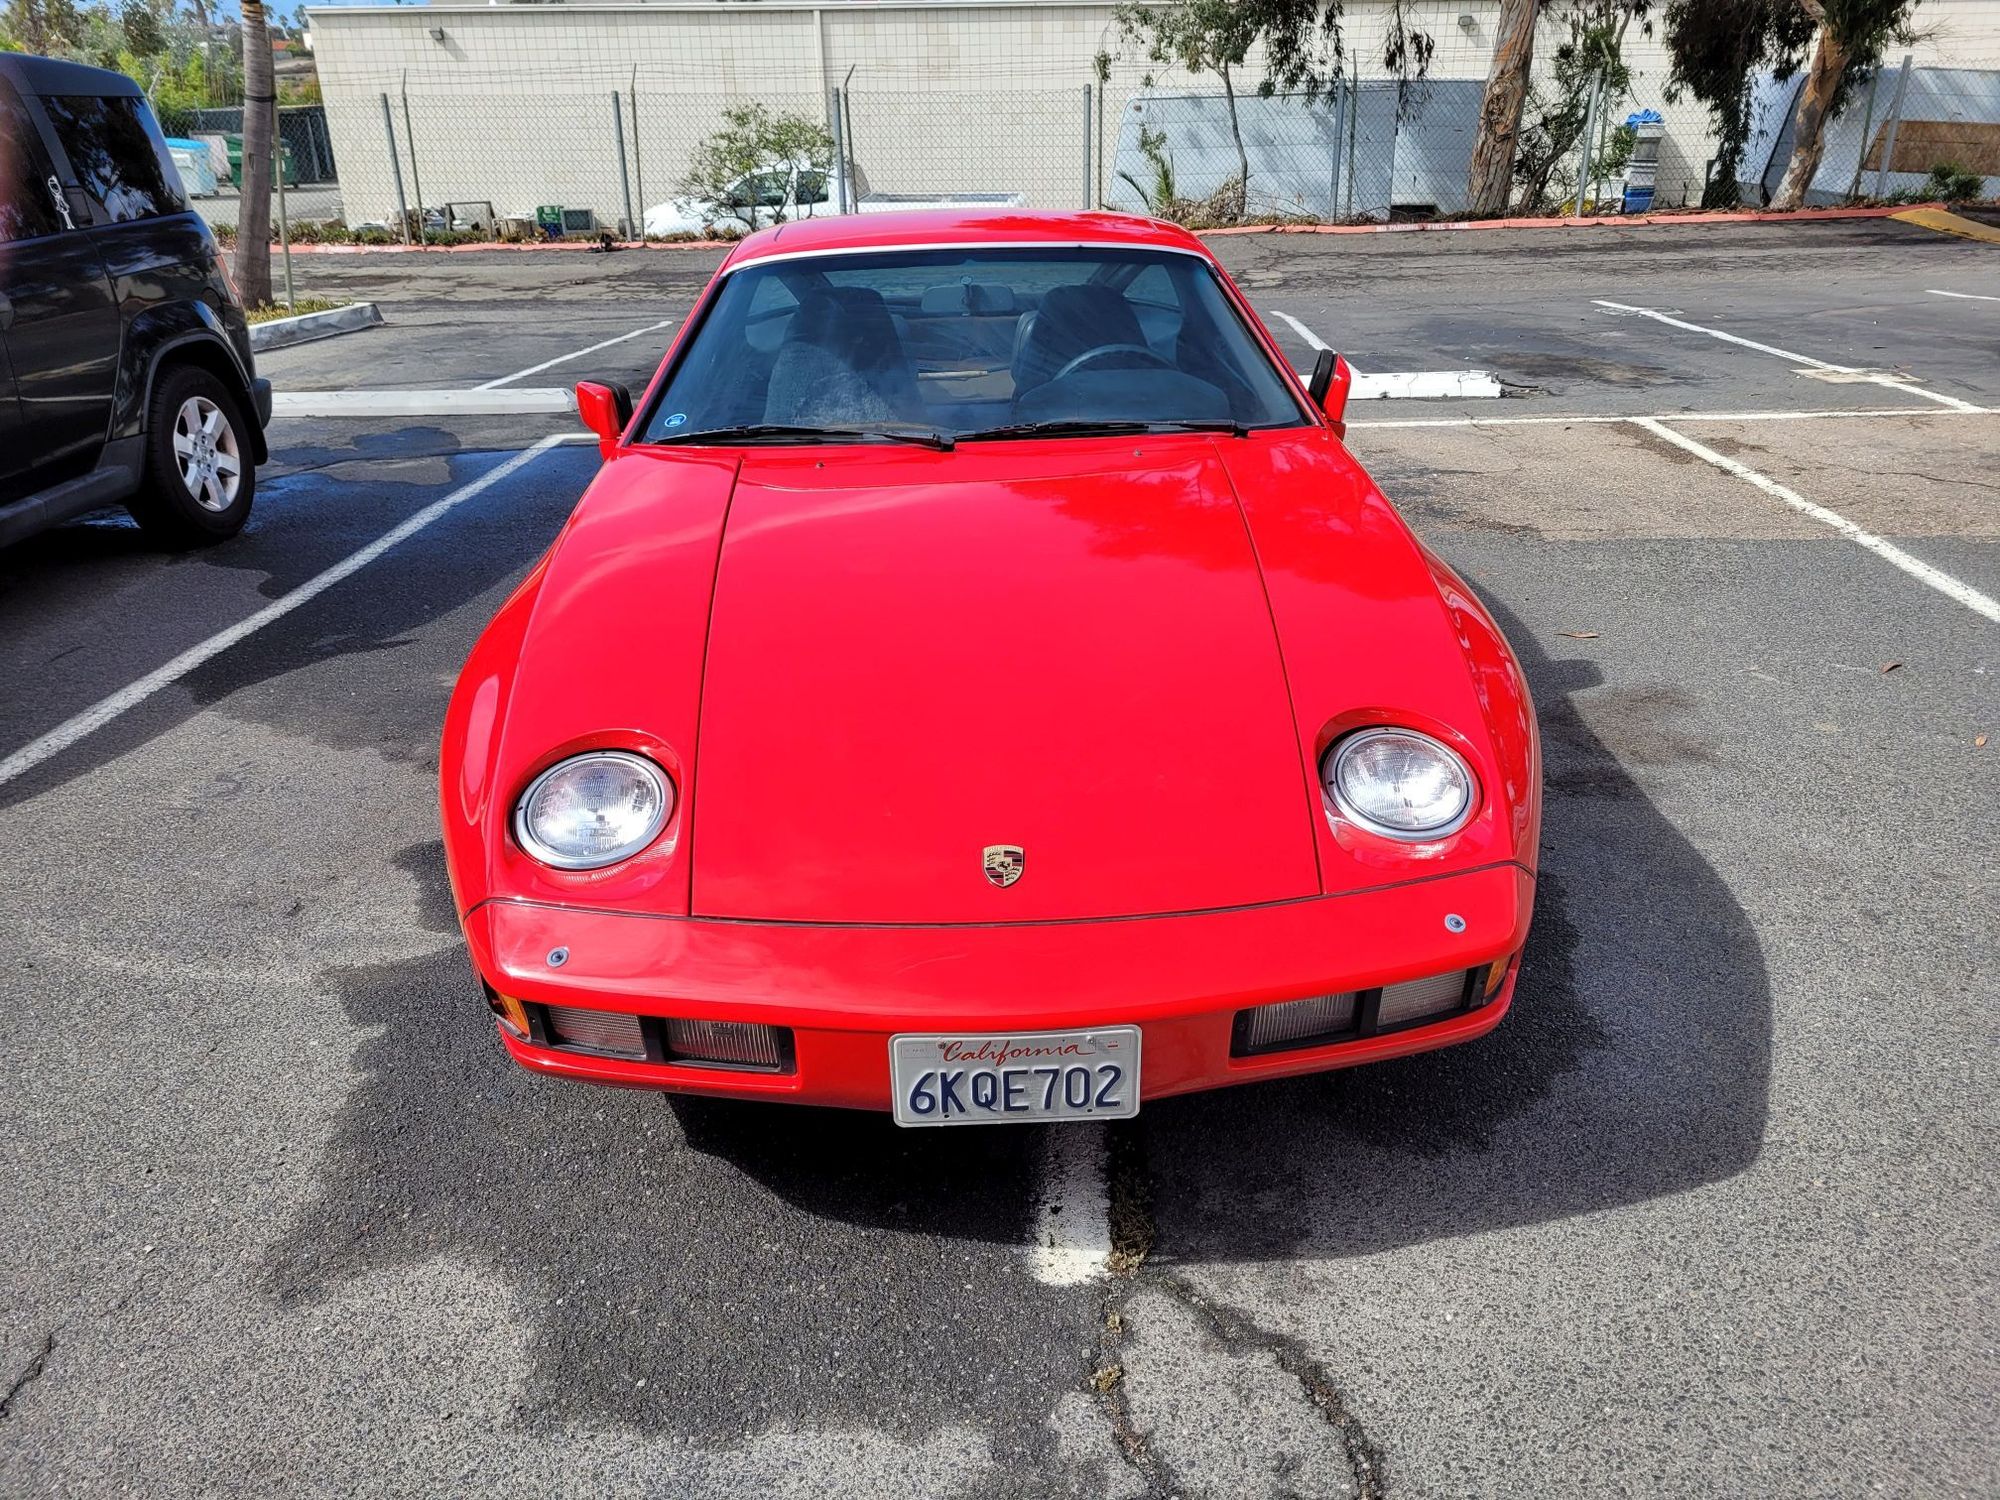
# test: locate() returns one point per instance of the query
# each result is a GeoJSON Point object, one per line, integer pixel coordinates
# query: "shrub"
{"type": "Point", "coordinates": [321, 232]}
{"type": "Point", "coordinates": [755, 140]}
{"type": "Point", "coordinates": [1952, 183]}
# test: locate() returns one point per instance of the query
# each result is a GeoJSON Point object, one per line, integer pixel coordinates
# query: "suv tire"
{"type": "Point", "coordinates": [200, 474]}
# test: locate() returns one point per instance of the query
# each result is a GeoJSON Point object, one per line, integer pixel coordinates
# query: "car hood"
{"type": "Point", "coordinates": [917, 663]}
{"type": "Point", "coordinates": [868, 668]}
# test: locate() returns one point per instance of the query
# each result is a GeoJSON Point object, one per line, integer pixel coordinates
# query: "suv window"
{"type": "Point", "coordinates": [26, 209]}
{"type": "Point", "coordinates": [119, 158]}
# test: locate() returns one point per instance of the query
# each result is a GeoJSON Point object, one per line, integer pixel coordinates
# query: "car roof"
{"type": "Point", "coordinates": [994, 227]}
{"type": "Point", "coordinates": [49, 75]}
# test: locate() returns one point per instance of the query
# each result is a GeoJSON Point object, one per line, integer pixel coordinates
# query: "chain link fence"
{"type": "Point", "coordinates": [1366, 148]}
{"type": "Point", "coordinates": [214, 179]}
{"type": "Point", "coordinates": [491, 161]}
{"type": "Point", "coordinates": [1028, 147]}
{"type": "Point", "coordinates": [1908, 130]}
{"type": "Point", "coordinates": [1372, 147]}
{"type": "Point", "coordinates": [527, 165]}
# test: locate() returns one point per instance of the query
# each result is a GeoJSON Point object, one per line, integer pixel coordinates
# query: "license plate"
{"type": "Point", "coordinates": [1008, 1078]}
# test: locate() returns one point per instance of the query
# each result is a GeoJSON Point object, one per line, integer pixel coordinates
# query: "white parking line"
{"type": "Point", "coordinates": [1943, 582]}
{"type": "Point", "coordinates": [1968, 296]}
{"type": "Point", "coordinates": [563, 359]}
{"type": "Point", "coordinates": [479, 401]}
{"type": "Point", "coordinates": [1408, 385]}
{"type": "Point", "coordinates": [130, 696]}
{"type": "Point", "coordinates": [1313, 340]}
{"type": "Point", "coordinates": [1875, 377]}
{"type": "Point", "coordinates": [1073, 1220]}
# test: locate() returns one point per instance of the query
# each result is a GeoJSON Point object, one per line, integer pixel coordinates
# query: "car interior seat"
{"type": "Point", "coordinates": [842, 361]}
{"type": "Point", "coordinates": [1071, 320]}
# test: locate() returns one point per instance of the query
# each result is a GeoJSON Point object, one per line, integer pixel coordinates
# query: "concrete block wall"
{"type": "Point", "coordinates": [511, 104]}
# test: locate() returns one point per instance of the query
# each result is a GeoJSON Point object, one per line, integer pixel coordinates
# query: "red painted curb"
{"type": "Point", "coordinates": [489, 247]}
{"type": "Point", "coordinates": [1594, 221]}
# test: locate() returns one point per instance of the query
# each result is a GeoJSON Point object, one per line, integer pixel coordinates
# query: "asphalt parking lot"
{"type": "Point", "coordinates": [1710, 1213]}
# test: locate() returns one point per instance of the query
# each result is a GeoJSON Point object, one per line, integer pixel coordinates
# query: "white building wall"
{"type": "Point", "coordinates": [513, 104]}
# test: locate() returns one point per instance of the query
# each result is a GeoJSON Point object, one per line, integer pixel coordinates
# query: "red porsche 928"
{"type": "Point", "coordinates": [979, 684]}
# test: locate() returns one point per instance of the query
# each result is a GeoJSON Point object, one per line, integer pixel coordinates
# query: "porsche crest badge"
{"type": "Point", "coordinates": [1004, 863]}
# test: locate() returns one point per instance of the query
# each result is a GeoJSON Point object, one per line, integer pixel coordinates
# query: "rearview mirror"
{"type": "Point", "coordinates": [1332, 379]}
{"type": "Point", "coordinates": [606, 409]}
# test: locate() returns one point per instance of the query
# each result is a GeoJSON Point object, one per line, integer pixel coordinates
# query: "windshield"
{"type": "Point", "coordinates": [958, 344]}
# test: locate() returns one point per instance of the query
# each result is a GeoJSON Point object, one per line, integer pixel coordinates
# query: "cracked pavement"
{"type": "Point", "coordinates": [1711, 1212]}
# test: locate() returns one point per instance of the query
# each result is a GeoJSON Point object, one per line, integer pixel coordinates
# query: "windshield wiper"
{"type": "Point", "coordinates": [756, 432]}
{"type": "Point", "coordinates": [1078, 427]}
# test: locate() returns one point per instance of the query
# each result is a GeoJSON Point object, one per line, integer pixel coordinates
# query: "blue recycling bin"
{"type": "Point", "coordinates": [1647, 127]}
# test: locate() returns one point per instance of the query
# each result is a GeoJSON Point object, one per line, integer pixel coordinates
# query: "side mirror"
{"type": "Point", "coordinates": [606, 409]}
{"type": "Point", "coordinates": [1332, 379]}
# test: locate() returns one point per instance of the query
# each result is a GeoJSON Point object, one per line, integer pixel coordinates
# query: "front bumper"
{"type": "Point", "coordinates": [845, 990]}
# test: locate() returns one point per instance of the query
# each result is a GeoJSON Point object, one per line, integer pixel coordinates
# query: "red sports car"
{"type": "Point", "coordinates": [979, 684]}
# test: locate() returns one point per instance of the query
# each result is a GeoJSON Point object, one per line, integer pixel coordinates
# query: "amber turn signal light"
{"type": "Point", "coordinates": [512, 1013]}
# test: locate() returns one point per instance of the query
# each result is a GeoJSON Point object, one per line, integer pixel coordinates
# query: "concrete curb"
{"type": "Point", "coordinates": [1595, 221]}
{"type": "Point", "coordinates": [423, 403]}
{"type": "Point", "coordinates": [279, 333]}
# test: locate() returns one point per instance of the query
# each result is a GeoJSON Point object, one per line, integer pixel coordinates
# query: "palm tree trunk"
{"type": "Point", "coordinates": [1489, 182]}
{"type": "Point", "coordinates": [1809, 123]}
{"type": "Point", "coordinates": [253, 214]}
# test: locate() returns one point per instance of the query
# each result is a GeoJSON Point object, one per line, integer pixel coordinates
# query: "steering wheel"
{"type": "Point", "coordinates": [1105, 351]}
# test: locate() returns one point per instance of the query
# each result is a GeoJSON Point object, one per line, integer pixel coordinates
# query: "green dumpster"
{"type": "Point", "coordinates": [235, 145]}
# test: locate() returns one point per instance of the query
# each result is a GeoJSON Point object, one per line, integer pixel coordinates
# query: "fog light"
{"type": "Point", "coordinates": [1414, 999]}
{"type": "Point", "coordinates": [730, 1044]}
{"type": "Point", "coordinates": [1295, 1023]}
{"type": "Point", "coordinates": [596, 1030]}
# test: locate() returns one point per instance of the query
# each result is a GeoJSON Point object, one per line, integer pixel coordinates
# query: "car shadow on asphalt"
{"type": "Point", "coordinates": [713, 1269]}
{"type": "Point", "coordinates": [1633, 1064]}
{"type": "Point", "coordinates": [775, 1267]}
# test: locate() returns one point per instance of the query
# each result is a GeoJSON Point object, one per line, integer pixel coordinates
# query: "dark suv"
{"type": "Point", "coordinates": [125, 366]}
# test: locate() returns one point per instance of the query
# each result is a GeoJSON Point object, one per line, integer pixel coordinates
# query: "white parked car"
{"type": "Point", "coordinates": [799, 190]}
